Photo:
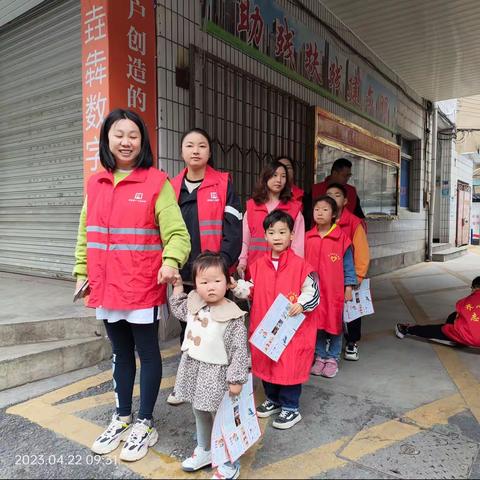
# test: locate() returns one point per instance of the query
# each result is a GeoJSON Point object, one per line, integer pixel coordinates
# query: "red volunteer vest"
{"type": "Point", "coordinates": [124, 249]}
{"type": "Point", "coordinates": [466, 327]}
{"type": "Point", "coordinates": [297, 193]}
{"type": "Point", "coordinates": [211, 202]}
{"type": "Point", "coordinates": [319, 189]}
{"type": "Point", "coordinates": [256, 215]}
{"type": "Point", "coordinates": [349, 223]}
{"type": "Point", "coordinates": [294, 364]}
{"type": "Point", "coordinates": [326, 257]}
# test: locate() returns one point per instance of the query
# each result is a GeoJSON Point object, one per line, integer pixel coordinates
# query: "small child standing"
{"type": "Point", "coordinates": [215, 358]}
{"type": "Point", "coordinates": [353, 227]}
{"type": "Point", "coordinates": [462, 327]}
{"type": "Point", "coordinates": [329, 251]}
{"type": "Point", "coordinates": [280, 270]}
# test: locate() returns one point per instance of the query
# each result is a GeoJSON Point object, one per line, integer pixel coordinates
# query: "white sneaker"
{"type": "Point", "coordinates": [142, 436]}
{"type": "Point", "coordinates": [173, 400]}
{"type": "Point", "coordinates": [199, 459]}
{"type": "Point", "coordinates": [351, 352]}
{"type": "Point", "coordinates": [226, 473]}
{"type": "Point", "coordinates": [110, 439]}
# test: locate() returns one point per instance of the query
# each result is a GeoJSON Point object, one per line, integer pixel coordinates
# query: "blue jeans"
{"type": "Point", "coordinates": [328, 345]}
{"type": "Point", "coordinates": [287, 396]}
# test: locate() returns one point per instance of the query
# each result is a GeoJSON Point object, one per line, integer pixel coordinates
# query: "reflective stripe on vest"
{"type": "Point", "coordinates": [99, 245]}
{"type": "Point", "coordinates": [254, 244]}
{"type": "Point", "coordinates": [211, 227]}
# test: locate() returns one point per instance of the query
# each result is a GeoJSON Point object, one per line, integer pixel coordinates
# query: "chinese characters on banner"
{"type": "Point", "coordinates": [267, 29]}
{"type": "Point", "coordinates": [118, 68]}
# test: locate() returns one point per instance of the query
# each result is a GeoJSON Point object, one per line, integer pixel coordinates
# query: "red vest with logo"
{"type": "Point", "coordinates": [255, 216]}
{"type": "Point", "coordinates": [124, 249]}
{"type": "Point", "coordinates": [326, 257]}
{"type": "Point", "coordinates": [319, 189]}
{"type": "Point", "coordinates": [349, 223]}
{"type": "Point", "coordinates": [294, 364]}
{"type": "Point", "coordinates": [211, 202]}
{"type": "Point", "coordinates": [466, 327]}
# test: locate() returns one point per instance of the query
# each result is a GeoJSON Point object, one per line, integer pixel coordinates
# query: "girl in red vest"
{"type": "Point", "coordinates": [131, 238]}
{"type": "Point", "coordinates": [329, 251]}
{"type": "Point", "coordinates": [461, 327]}
{"type": "Point", "coordinates": [277, 271]}
{"type": "Point", "coordinates": [210, 208]}
{"type": "Point", "coordinates": [271, 192]}
{"type": "Point", "coordinates": [353, 227]}
{"type": "Point", "coordinates": [297, 192]}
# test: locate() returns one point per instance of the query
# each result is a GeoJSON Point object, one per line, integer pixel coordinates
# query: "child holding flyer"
{"type": "Point", "coordinates": [328, 249]}
{"type": "Point", "coordinates": [353, 227]}
{"type": "Point", "coordinates": [281, 271]}
{"type": "Point", "coordinates": [215, 357]}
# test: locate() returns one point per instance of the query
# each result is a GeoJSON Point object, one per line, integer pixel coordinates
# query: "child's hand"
{"type": "Point", "coordinates": [234, 389]}
{"type": "Point", "coordinates": [295, 310]}
{"type": "Point", "coordinates": [233, 283]}
{"type": "Point", "coordinates": [348, 293]}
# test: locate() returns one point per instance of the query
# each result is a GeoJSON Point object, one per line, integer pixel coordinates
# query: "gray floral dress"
{"type": "Point", "coordinates": [204, 384]}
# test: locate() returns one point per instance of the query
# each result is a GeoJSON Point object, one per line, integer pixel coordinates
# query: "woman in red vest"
{"type": "Point", "coordinates": [462, 327]}
{"type": "Point", "coordinates": [272, 192]}
{"type": "Point", "coordinates": [210, 208]}
{"type": "Point", "coordinates": [131, 238]}
{"type": "Point", "coordinates": [297, 192]}
{"type": "Point", "coordinates": [329, 252]}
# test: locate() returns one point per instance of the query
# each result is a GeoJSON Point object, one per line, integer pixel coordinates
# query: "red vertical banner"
{"type": "Point", "coordinates": [118, 68]}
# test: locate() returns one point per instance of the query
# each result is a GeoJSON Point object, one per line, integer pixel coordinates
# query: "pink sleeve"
{"type": "Point", "coordinates": [242, 260]}
{"type": "Point", "coordinates": [298, 243]}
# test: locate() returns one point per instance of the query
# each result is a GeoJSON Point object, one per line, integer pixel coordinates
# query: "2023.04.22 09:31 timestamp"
{"type": "Point", "coordinates": [67, 459]}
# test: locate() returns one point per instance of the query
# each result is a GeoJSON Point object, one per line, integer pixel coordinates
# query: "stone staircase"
{"type": "Point", "coordinates": [35, 350]}
{"type": "Point", "coordinates": [442, 252]}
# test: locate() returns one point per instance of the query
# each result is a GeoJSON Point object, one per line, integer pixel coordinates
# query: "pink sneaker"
{"type": "Point", "coordinates": [318, 366]}
{"type": "Point", "coordinates": [330, 369]}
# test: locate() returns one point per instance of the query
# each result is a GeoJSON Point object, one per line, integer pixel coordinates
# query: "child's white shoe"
{"type": "Point", "coordinates": [199, 459]}
{"type": "Point", "coordinates": [225, 472]}
{"type": "Point", "coordinates": [142, 436]}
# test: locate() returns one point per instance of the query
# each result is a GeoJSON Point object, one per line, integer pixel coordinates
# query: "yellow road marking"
{"type": "Point", "coordinates": [106, 398]}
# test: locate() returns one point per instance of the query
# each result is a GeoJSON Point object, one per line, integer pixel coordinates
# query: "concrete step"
{"type": "Point", "coordinates": [20, 364]}
{"type": "Point", "coordinates": [437, 247]}
{"type": "Point", "coordinates": [19, 333]}
{"type": "Point", "coordinates": [449, 253]}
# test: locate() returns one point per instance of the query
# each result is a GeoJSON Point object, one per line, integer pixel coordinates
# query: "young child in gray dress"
{"type": "Point", "coordinates": [215, 357]}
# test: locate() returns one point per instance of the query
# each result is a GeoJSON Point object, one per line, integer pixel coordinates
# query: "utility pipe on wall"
{"type": "Point", "coordinates": [433, 182]}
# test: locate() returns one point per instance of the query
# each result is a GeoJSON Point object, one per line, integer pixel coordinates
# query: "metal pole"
{"type": "Point", "coordinates": [433, 182]}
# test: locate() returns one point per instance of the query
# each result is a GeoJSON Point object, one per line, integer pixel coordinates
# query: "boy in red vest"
{"type": "Point", "coordinates": [461, 327]}
{"type": "Point", "coordinates": [352, 226]}
{"type": "Point", "coordinates": [281, 271]}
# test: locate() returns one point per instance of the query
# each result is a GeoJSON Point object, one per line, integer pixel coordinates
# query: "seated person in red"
{"type": "Point", "coordinates": [462, 326]}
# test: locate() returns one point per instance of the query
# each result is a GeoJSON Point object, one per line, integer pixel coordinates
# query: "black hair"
{"type": "Point", "coordinates": [476, 282]}
{"type": "Point", "coordinates": [202, 132]}
{"type": "Point", "coordinates": [260, 194]}
{"type": "Point", "coordinates": [278, 216]}
{"type": "Point", "coordinates": [340, 164]}
{"type": "Point", "coordinates": [206, 260]}
{"type": "Point", "coordinates": [338, 186]}
{"type": "Point", "coordinates": [331, 202]}
{"type": "Point", "coordinates": [145, 157]}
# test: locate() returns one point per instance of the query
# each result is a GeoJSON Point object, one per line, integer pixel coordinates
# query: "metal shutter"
{"type": "Point", "coordinates": [41, 177]}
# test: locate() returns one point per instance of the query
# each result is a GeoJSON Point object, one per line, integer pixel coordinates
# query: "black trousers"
{"type": "Point", "coordinates": [354, 331]}
{"type": "Point", "coordinates": [431, 331]}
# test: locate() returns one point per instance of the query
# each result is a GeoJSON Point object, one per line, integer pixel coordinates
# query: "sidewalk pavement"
{"type": "Point", "coordinates": [407, 409]}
